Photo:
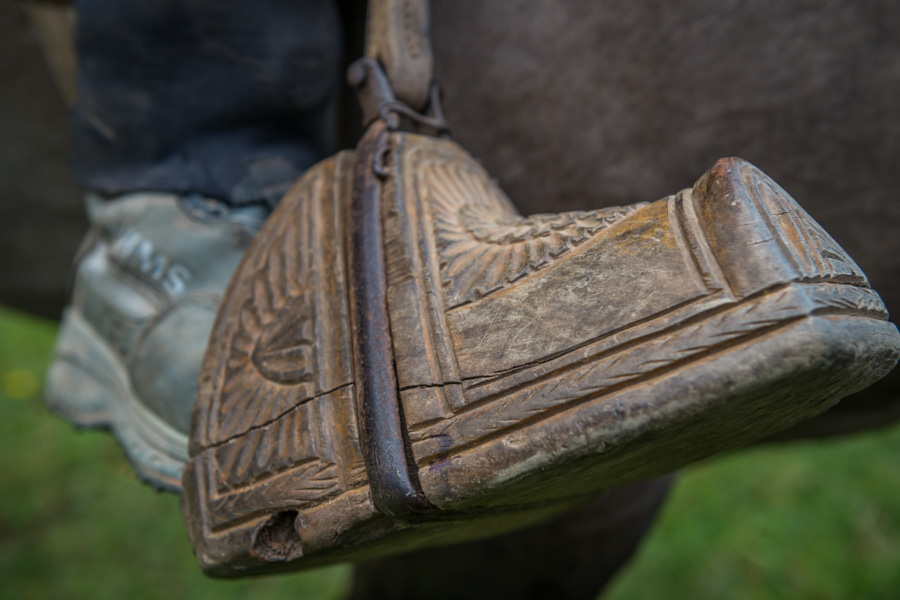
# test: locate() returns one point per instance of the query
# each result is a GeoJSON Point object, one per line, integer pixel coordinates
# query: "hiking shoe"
{"type": "Point", "coordinates": [148, 281]}
{"type": "Point", "coordinates": [427, 366]}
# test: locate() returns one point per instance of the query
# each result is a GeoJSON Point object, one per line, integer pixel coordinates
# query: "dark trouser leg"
{"type": "Point", "coordinates": [231, 100]}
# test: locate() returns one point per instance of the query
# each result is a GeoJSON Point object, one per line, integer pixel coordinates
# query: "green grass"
{"type": "Point", "coordinates": [812, 520]}
{"type": "Point", "coordinates": [74, 521]}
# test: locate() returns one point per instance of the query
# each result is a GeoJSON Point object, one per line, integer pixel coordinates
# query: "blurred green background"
{"type": "Point", "coordinates": [806, 520]}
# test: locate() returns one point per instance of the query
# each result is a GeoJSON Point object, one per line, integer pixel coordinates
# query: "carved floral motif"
{"type": "Point", "coordinates": [485, 244]}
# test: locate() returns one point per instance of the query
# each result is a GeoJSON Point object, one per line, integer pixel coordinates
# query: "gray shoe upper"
{"type": "Point", "coordinates": [147, 286]}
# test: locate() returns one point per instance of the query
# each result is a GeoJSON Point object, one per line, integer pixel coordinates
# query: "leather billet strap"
{"type": "Point", "coordinates": [397, 36]}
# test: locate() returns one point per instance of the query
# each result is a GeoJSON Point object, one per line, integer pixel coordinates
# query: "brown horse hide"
{"type": "Point", "coordinates": [575, 105]}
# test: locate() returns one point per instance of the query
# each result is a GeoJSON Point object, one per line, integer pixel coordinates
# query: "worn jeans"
{"type": "Point", "coordinates": [231, 100]}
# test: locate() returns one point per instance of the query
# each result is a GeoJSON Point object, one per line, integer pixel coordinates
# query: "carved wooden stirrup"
{"type": "Point", "coordinates": [474, 370]}
{"type": "Point", "coordinates": [403, 360]}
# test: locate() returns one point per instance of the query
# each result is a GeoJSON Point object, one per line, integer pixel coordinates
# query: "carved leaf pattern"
{"type": "Point", "coordinates": [485, 244]}
{"type": "Point", "coordinates": [266, 451]}
{"type": "Point", "coordinates": [268, 371]}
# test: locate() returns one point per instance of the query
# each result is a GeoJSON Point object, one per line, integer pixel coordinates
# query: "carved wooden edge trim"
{"type": "Point", "coordinates": [418, 306]}
{"type": "Point", "coordinates": [780, 239]}
{"type": "Point", "coordinates": [600, 369]}
{"type": "Point", "coordinates": [610, 405]}
{"type": "Point", "coordinates": [392, 474]}
{"type": "Point", "coordinates": [241, 483]}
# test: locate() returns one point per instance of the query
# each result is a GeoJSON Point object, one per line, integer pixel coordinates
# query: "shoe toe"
{"type": "Point", "coordinates": [165, 363]}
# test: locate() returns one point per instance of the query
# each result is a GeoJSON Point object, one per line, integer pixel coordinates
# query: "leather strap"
{"type": "Point", "coordinates": [397, 36]}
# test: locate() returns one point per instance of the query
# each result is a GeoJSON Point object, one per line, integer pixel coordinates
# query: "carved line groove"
{"type": "Point", "coordinates": [655, 356]}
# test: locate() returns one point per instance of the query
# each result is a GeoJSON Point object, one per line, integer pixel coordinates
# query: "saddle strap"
{"type": "Point", "coordinates": [397, 36]}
